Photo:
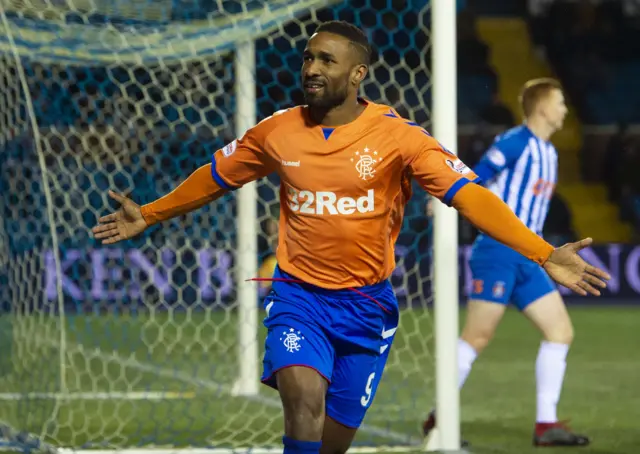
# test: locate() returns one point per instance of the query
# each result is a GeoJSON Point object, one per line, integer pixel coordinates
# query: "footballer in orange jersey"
{"type": "Point", "coordinates": [345, 166]}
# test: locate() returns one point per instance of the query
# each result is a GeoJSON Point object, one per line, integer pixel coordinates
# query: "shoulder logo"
{"type": "Point", "coordinates": [458, 166]}
{"type": "Point", "coordinates": [229, 149]}
{"type": "Point", "coordinates": [496, 157]}
{"type": "Point", "coordinates": [365, 160]}
{"type": "Point", "coordinates": [290, 163]}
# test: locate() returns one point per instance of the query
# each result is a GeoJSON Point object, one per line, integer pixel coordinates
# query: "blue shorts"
{"type": "Point", "coordinates": [343, 335]}
{"type": "Point", "coordinates": [502, 275]}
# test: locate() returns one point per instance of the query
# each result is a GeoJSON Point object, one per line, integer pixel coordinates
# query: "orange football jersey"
{"type": "Point", "coordinates": [343, 189]}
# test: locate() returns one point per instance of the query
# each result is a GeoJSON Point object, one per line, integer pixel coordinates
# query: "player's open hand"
{"type": "Point", "coordinates": [567, 268]}
{"type": "Point", "coordinates": [125, 223]}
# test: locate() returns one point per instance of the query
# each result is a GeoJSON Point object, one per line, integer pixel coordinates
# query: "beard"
{"type": "Point", "coordinates": [326, 99]}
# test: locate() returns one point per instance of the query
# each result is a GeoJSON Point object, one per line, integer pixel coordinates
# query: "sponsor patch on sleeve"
{"type": "Point", "coordinates": [458, 166]}
{"type": "Point", "coordinates": [229, 149]}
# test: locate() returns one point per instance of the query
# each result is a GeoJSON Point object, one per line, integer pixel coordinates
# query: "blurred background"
{"type": "Point", "coordinates": [134, 95]}
{"type": "Point", "coordinates": [592, 47]}
{"type": "Point", "coordinates": [94, 110]}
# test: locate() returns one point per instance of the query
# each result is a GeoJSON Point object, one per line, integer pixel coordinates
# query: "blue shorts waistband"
{"type": "Point", "coordinates": [279, 273]}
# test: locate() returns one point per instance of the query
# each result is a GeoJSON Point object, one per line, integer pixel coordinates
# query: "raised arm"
{"type": "Point", "coordinates": [490, 214]}
{"type": "Point", "coordinates": [196, 191]}
{"type": "Point", "coordinates": [443, 175]}
{"type": "Point", "coordinates": [237, 163]}
{"type": "Point", "coordinates": [131, 219]}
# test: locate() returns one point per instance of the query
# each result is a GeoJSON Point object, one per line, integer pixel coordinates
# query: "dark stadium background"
{"type": "Point", "coordinates": [592, 47]}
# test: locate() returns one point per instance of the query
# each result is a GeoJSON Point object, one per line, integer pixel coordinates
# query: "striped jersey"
{"type": "Point", "coordinates": [522, 170]}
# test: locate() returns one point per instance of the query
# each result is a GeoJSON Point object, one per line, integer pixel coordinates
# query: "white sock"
{"type": "Point", "coordinates": [466, 356]}
{"type": "Point", "coordinates": [550, 366]}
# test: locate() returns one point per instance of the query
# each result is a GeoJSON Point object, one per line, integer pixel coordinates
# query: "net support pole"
{"type": "Point", "coordinates": [446, 298]}
{"type": "Point", "coordinates": [247, 253]}
{"type": "Point", "coordinates": [37, 143]}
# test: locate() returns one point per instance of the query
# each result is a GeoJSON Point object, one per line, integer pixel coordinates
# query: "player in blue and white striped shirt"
{"type": "Point", "coordinates": [521, 167]}
{"type": "Point", "coordinates": [522, 170]}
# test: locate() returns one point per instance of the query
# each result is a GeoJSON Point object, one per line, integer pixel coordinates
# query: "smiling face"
{"type": "Point", "coordinates": [332, 70]}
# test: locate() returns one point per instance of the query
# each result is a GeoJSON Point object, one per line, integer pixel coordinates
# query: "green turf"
{"type": "Point", "coordinates": [195, 354]}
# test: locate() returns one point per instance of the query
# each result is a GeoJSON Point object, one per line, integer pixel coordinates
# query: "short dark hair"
{"type": "Point", "coordinates": [535, 90]}
{"type": "Point", "coordinates": [354, 34]}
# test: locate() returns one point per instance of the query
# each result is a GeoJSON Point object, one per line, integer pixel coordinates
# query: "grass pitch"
{"type": "Point", "coordinates": [167, 379]}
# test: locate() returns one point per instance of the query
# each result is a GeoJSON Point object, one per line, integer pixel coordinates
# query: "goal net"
{"type": "Point", "coordinates": [157, 342]}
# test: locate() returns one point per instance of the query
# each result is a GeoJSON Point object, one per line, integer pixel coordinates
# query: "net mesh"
{"type": "Point", "coordinates": [136, 345]}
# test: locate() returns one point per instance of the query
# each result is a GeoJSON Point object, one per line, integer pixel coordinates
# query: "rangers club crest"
{"type": "Point", "coordinates": [365, 160]}
{"type": "Point", "coordinates": [291, 340]}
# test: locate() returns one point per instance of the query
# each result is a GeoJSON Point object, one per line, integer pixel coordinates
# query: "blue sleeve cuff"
{"type": "Point", "coordinates": [217, 178]}
{"type": "Point", "coordinates": [453, 190]}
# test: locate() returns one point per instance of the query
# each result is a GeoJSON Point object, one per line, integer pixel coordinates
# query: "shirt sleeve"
{"type": "Point", "coordinates": [437, 170]}
{"type": "Point", "coordinates": [244, 159]}
{"type": "Point", "coordinates": [501, 155]}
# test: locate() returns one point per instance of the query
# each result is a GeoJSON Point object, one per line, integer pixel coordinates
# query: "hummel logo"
{"type": "Point", "coordinates": [291, 163]}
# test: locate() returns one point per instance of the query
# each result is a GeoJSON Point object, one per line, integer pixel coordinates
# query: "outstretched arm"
{"type": "Point", "coordinates": [444, 176]}
{"type": "Point", "coordinates": [131, 219]}
{"type": "Point", "coordinates": [194, 192]}
{"type": "Point", "coordinates": [232, 166]}
{"type": "Point", "coordinates": [492, 216]}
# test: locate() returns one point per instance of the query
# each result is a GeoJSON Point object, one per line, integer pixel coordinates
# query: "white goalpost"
{"type": "Point", "coordinates": [157, 343]}
{"type": "Point", "coordinates": [249, 377]}
{"type": "Point", "coordinates": [446, 436]}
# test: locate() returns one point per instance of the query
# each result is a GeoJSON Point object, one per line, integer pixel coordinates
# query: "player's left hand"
{"type": "Point", "coordinates": [567, 268]}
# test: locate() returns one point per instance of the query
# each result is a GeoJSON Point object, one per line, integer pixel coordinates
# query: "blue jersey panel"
{"type": "Point", "coordinates": [522, 170]}
{"type": "Point", "coordinates": [344, 335]}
